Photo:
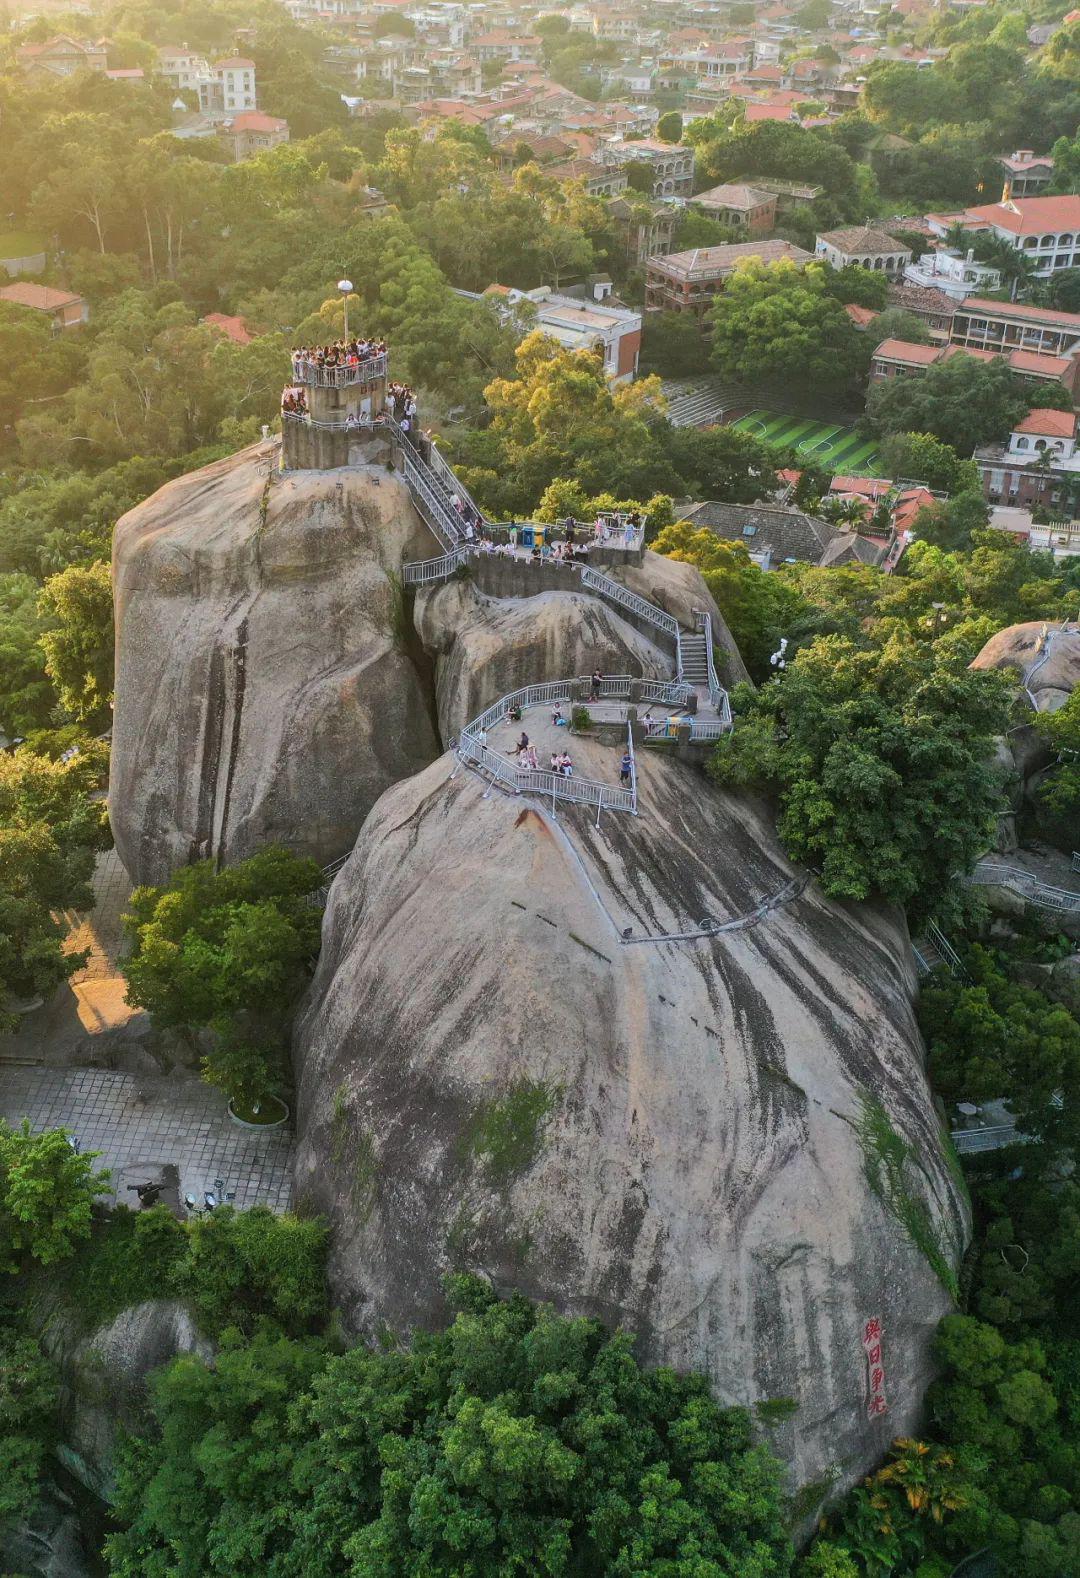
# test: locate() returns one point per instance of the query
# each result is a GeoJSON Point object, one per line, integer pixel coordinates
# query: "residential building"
{"type": "Point", "coordinates": [578, 324]}
{"type": "Point", "coordinates": [230, 89]}
{"type": "Point", "coordinates": [903, 358]}
{"type": "Point", "coordinates": [745, 208]}
{"type": "Point", "coordinates": [1045, 229]}
{"type": "Point", "coordinates": [1009, 325]}
{"type": "Point", "coordinates": [672, 165]}
{"type": "Point", "coordinates": [788, 194]}
{"type": "Point", "coordinates": [773, 535]}
{"type": "Point", "coordinates": [955, 276]}
{"type": "Point", "coordinates": [644, 226]}
{"type": "Point", "coordinates": [1039, 467]}
{"type": "Point", "coordinates": [62, 56]}
{"type": "Point", "coordinates": [688, 281]}
{"type": "Point", "coordinates": [1026, 173]}
{"type": "Point", "coordinates": [864, 247]}
{"type": "Point", "coordinates": [183, 67]}
{"type": "Point", "coordinates": [500, 44]}
{"type": "Point", "coordinates": [731, 59]}
{"type": "Point", "coordinates": [614, 24]}
{"type": "Point", "coordinates": [542, 150]}
{"type": "Point", "coordinates": [252, 132]}
{"type": "Point", "coordinates": [599, 180]}
{"type": "Point", "coordinates": [64, 309]}
{"type": "Point", "coordinates": [927, 303]}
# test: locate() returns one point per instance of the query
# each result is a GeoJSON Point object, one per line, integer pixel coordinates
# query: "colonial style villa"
{"type": "Point", "coordinates": [864, 247]}
{"type": "Point", "coordinates": [1046, 229]}
{"type": "Point", "coordinates": [1038, 468]}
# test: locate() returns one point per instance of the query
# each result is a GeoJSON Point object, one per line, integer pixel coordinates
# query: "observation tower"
{"type": "Point", "coordinates": [335, 414]}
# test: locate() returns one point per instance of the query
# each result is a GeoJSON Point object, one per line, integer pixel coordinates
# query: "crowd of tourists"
{"type": "Point", "coordinates": [294, 403]}
{"type": "Point", "coordinates": [339, 353]}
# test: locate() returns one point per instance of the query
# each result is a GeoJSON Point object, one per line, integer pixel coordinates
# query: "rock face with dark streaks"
{"type": "Point", "coordinates": [264, 693]}
{"type": "Point", "coordinates": [684, 1136]}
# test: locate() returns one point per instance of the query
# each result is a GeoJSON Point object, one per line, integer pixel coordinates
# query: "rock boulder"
{"type": "Point", "coordinates": [266, 691]}
{"type": "Point", "coordinates": [687, 1136]}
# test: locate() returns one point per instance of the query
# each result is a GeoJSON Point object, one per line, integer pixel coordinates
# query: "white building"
{"type": "Point", "coordinates": [231, 87]}
{"type": "Point", "coordinates": [863, 247]}
{"type": "Point", "coordinates": [581, 324]}
{"type": "Point", "coordinates": [1045, 229]}
{"type": "Point", "coordinates": [183, 67]}
{"type": "Point", "coordinates": [957, 277]}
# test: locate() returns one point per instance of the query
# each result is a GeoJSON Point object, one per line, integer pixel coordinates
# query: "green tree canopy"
{"type": "Point", "coordinates": [514, 1441]}
{"type": "Point", "coordinates": [774, 320]}
{"type": "Point", "coordinates": [46, 1194]}
{"type": "Point", "coordinates": [962, 402]}
{"type": "Point", "coordinates": [881, 761]}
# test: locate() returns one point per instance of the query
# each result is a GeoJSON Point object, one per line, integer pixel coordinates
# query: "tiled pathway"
{"type": "Point", "coordinates": [141, 1123]}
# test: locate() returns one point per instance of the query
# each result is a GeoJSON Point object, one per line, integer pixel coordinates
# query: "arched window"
{"type": "Point", "coordinates": [1065, 240]}
{"type": "Point", "coordinates": [1040, 443]}
{"type": "Point", "coordinates": [1047, 241]}
{"type": "Point", "coordinates": [1021, 443]}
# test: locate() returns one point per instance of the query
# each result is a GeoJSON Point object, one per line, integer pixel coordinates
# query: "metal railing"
{"type": "Point", "coordinates": [672, 692]}
{"type": "Point", "coordinates": [422, 572]}
{"type": "Point", "coordinates": [427, 498]}
{"type": "Point", "coordinates": [339, 377]}
{"type": "Point", "coordinates": [615, 592]}
{"type": "Point", "coordinates": [1041, 894]}
{"type": "Point", "coordinates": [969, 1142]}
{"type": "Point", "coordinates": [717, 694]}
{"type": "Point", "coordinates": [577, 791]}
{"type": "Point", "coordinates": [584, 534]}
{"type": "Point", "coordinates": [444, 474]}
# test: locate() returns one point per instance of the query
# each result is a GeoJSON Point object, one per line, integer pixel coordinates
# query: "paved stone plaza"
{"type": "Point", "coordinates": [143, 1123]}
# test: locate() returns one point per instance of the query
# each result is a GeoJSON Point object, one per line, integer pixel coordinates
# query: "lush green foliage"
{"type": "Point", "coordinates": [227, 949]}
{"type": "Point", "coordinates": [775, 320]}
{"type": "Point", "coordinates": [28, 1401]}
{"type": "Point", "coordinates": [515, 1441]}
{"type": "Point", "coordinates": [880, 760]}
{"type": "Point", "coordinates": [962, 402]}
{"type": "Point", "coordinates": [992, 1036]}
{"type": "Point", "coordinates": [46, 1195]}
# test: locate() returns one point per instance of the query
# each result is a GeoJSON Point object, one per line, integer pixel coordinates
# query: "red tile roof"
{"type": "Point", "coordinates": [1017, 309]}
{"type": "Point", "coordinates": [1030, 216]}
{"type": "Point", "coordinates": [1050, 424]}
{"type": "Point", "coordinates": [907, 351]}
{"type": "Point", "coordinates": [767, 112]}
{"type": "Point", "coordinates": [42, 297]}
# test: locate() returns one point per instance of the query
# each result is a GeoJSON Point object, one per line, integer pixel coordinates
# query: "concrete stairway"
{"type": "Point", "coordinates": [695, 660]}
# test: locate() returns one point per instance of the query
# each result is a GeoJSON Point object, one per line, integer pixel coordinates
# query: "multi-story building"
{"type": "Point", "coordinates": [1026, 173]}
{"type": "Point", "coordinates": [252, 132]}
{"type": "Point", "coordinates": [62, 56]}
{"type": "Point", "coordinates": [955, 276]}
{"type": "Point", "coordinates": [1009, 325]}
{"type": "Point", "coordinates": [230, 89]}
{"type": "Point", "coordinates": [788, 194]}
{"type": "Point", "coordinates": [745, 208]}
{"type": "Point", "coordinates": [183, 67]}
{"type": "Point", "coordinates": [689, 281]}
{"type": "Point", "coordinates": [600, 180]}
{"type": "Point", "coordinates": [931, 306]}
{"type": "Point", "coordinates": [863, 247]}
{"type": "Point", "coordinates": [580, 323]}
{"type": "Point", "coordinates": [500, 44]}
{"type": "Point", "coordinates": [614, 24]}
{"type": "Point", "coordinates": [709, 62]}
{"type": "Point", "coordinates": [1039, 467]}
{"type": "Point", "coordinates": [1045, 229]}
{"type": "Point", "coordinates": [644, 227]}
{"type": "Point", "coordinates": [904, 358]}
{"type": "Point", "coordinates": [672, 165]}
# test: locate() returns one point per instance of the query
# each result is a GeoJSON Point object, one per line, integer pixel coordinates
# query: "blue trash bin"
{"type": "Point", "coordinates": [527, 537]}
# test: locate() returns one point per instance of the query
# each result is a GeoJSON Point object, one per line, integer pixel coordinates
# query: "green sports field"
{"type": "Point", "coordinates": [836, 449]}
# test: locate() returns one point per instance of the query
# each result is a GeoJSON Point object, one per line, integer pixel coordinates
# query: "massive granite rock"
{"type": "Point", "coordinates": [103, 1376]}
{"type": "Point", "coordinates": [265, 691]}
{"type": "Point", "coordinates": [484, 646]}
{"type": "Point", "coordinates": [725, 1143]}
{"type": "Point", "coordinates": [1049, 670]}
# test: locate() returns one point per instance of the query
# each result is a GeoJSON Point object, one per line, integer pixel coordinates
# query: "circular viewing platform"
{"type": "Point", "coordinates": [341, 376]}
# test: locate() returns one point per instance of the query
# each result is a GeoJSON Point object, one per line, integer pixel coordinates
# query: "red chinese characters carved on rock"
{"type": "Point", "coordinates": [875, 1364]}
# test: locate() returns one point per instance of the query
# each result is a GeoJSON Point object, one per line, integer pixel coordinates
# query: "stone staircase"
{"type": "Point", "coordinates": [695, 660]}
